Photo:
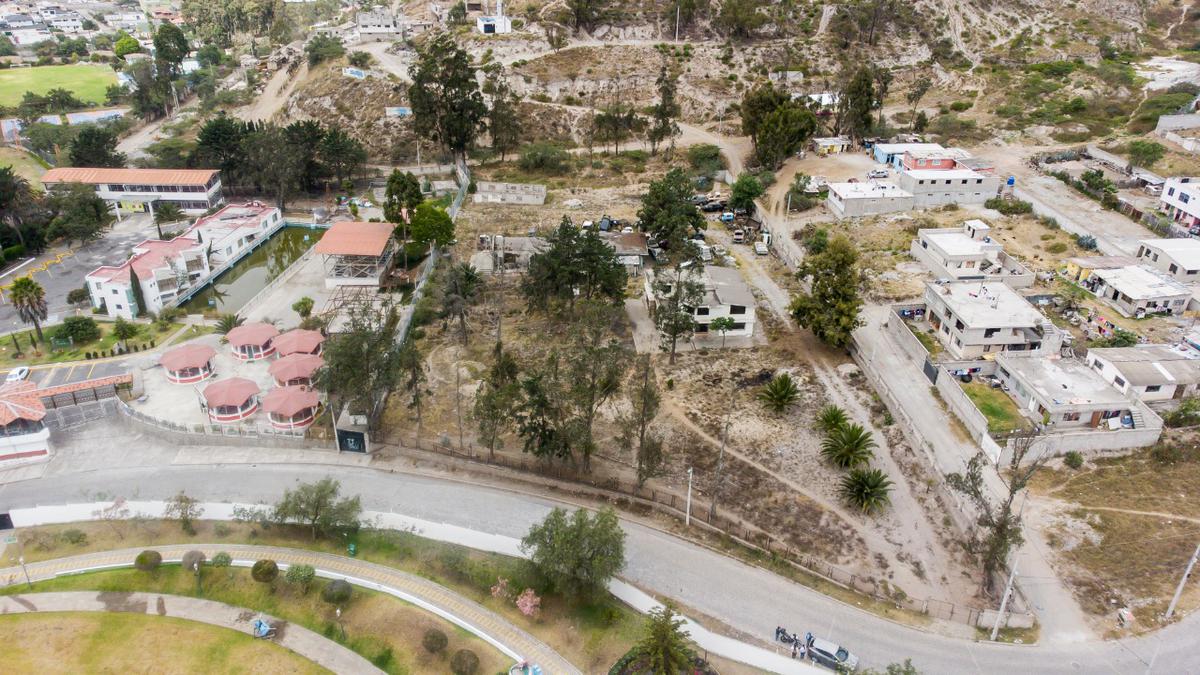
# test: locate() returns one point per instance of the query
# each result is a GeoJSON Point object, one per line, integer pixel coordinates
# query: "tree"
{"type": "Point", "coordinates": [722, 325]}
{"type": "Point", "coordinates": [77, 214]}
{"type": "Point", "coordinates": [431, 225]}
{"type": "Point", "coordinates": [920, 122]}
{"type": "Point", "coordinates": [916, 92]}
{"type": "Point", "coordinates": [1001, 528]}
{"type": "Point", "coordinates": [79, 329]}
{"type": "Point", "coordinates": [337, 592]}
{"type": "Point", "coordinates": [340, 152]}
{"type": "Point", "coordinates": [855, 103]}
{"type": "Point", "coordinates": [170, 48]}
{"type": "Point", "coordinates": [18, 201]}
{"type": "Point", "coordinates": [461, 291]}
{"type": "Point", "coordinates": [323, 48]}
{"type": "Point", "coordinates": [273, 163]}
{"type": "Point", "coordinates": [29, 299]}
{"type": "Point", "coordinates": [138, 305]}
{"type": "Point", "coordinates": [866, 490]}
{"type": "Point", "coordinates": [126, 45]}
{"type": "Point", "coordinates": [848, 446]}
{"type": "Point", "coordinates": [222, 559]}
{"type": "Point", "coordinates": [124, 330]}
{"type": "Point", "coordinates": [662, 116]}
{"type": "Point", "coordinates": [303, 307]}
{"type": "Point", "coordinates": [597, 363]}
{"type": "Point", "coordinates": [264, 571]}
{"type": "Point", "coordinates": [669, 216]}
{"type": "Point", "coordinates": [166, 212]}
{"type": "Point", "coordinates": [412, 370]}
{"type": "Point", "coordinates": [745, 190]}
{"type": "Point", "coordinates": [96, 146]}
{"type": "Point", "coordinates": [676, 294]}
{"type": "Point", "coordinates": [227, 322]}
{"type": "Point", "coordinates": [318, 507]}
{"type": "Point", "coordinates": [457, 15]}
{"type": "Point", "coordinates": [360, 59]}
{"type": "Point", "coordinates": [740, 17]}
{"type": "Point", "coordinates": [543, 418]}
{"type": "Point", "coordinates": [362, 362]}
{"type": "Point", "coordinates": [307, 137]}
{"type": "Point", "coordinates": [150, 94]}
{"type": "Point", "coordinates": [147, 561]}
{"type": "Point", "coordinates": [831, 418]}
{"type": "Point", "coordinates": [780, 393]}
{"type": "Point", "coordinates": [782, 133]}
{"type": "Point", "coordinates": [503, 118]}
{"type": "Point", "coordinates": [757, 104]}
{"type": "Point", "coordinates": [575, 265]}
{"type": "Point", "coordinates": [830, 309]}
{"type": "Point", "coordinates": [616, 122]}
{"type": "Point", "coordinates": [636, 436]}
{"type": "Point", "coordinates": [434, 641]}
{"type": "Point", "coordinates": [1145, 153]}
{"type": "Point", "coordinates": [219, 146]}
{"type": "Point", "coordinates": [300, 576]}
{"type": "Point", "coordinates": [185, 509]}
{"type": "Point", "coordinates": [882, 78]}
{"type": "Point", "coordinates": [446, 103]}
{"type": "Point", "coordinates": [577, 553]}
{"type": "Point", "coordinates": [586, 13]}
{"type": "Point", "coordinates": [464, 662]}
{"type": "Point", "coordinates": [663, 646]}
{"type": "Point", "coordinates": [401, 199]}
{"type": "Point", "coordinates": [497, 398]}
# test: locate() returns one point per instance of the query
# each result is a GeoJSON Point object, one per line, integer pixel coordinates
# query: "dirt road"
{"type": "Point", "coordinates": [279, 88]}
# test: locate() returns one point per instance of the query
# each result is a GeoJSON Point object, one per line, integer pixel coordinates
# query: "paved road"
{"type": "Point", "coordinates": [747, 598]}
{"type": "Point", "coordinates": [319, 650]}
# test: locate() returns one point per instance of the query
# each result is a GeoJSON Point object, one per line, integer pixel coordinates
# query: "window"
{"type": "Point", "coordinates": [1184, 197]}
{"type": "Point", "coordinates": [1071, 417]}
{"type": "Point", "coordinates": [1192, 272]}
{"type": "Point", "coordinates": [702, 311]}
{"type": "Point", "coordinates": [1004, 373]}
{"type": "Point", "coordinates": [1109, 414]}
{"type": "Point", "coordinates": [1170, 191]}
{"type": "Point", "coordinates": [737, 309]}
{"type": "Point", "coordinates": [1150, 389]}
{"type": "Point", "coordinates": [1173, 268]}
{"type": "Point", "coordinates": [1154, 257]}
{"type": "Point", "coordinates": [739, 326]}
{"type": "Point", "coordinates": [921, 182]}
{"type": "Point", "coordinates": [947, 181]}
{"type": "Point", "coordinates": [979, 181]}
{"type": "Point", "coordinates": [1120, 382]}
{"type": "Point", "coordinates": [964, 181]}
{"type": "Point", "coordinates": [957, 342]}
{"type": "Point", "coordinates": [114, 291]}
{"type": "Point", "coordinates": [117, 306]}
{"type": "Point", "coordinates": [1098, 366]}
{"type": "Point", "coordinates": [990, 332]}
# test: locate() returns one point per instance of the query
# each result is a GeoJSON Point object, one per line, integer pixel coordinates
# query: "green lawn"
{"type": "Point", "coordinates": [78, 642]}
{"type": "Point", "coordinates": [1001, 412]}
{"type": "Point", "coordinates": [926, 339]}
{"type": "Point", "coordinates": [107, 341]}
{"type": "Point", "coordinates": [88, 82]}
{"type": "Point", "coordinates": [24, 164]}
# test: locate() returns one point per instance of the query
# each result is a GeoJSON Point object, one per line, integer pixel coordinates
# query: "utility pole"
{"type": "Point", "coordinates": [712, 510]}
{"type": "Point", "coordinates": [677, 6]}
{"type": "Point", "coordinates": [1179, 589]}
{"type": "Point", "coordinates": [688, 513]}
{"type": "Point", "coordinates": [1004, 602]}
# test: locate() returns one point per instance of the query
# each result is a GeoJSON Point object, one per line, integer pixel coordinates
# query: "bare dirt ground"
{"type": "Point", "coordinates": [275, 95]}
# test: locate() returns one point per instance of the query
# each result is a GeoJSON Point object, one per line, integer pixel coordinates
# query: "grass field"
{"type": "Point", "coordinates": [44, 354]}
{"type": "Point", "coordinates": [24, 164]}
{"type": "Point", "coordinates": [72, 642]}
{"type": "Point", "coordinates": [87, 82]}
{"type": "Point", "coordinates": [1001, 412]}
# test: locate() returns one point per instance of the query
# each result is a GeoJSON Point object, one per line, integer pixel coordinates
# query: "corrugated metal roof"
{"type": "Point", "coordinates": [97, 176]}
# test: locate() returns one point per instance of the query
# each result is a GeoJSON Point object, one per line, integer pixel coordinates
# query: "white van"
{"type": "Point", "coordinates": [739, 236]}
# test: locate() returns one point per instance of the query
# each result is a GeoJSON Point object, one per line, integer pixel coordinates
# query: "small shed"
{"type": "Point", "coordinates": [295, 369]}
{"type": "Point", "coordinates": [299, 341]}
{"type": "Point", "coordinates": [231, 400]}
{"type": "Point", "coordinates": [830, 145]}
{"type": "Point", "coordinates": [252, 341]}
{"type": "Point", "coordinates": [357, 253]}
{"type": "Point", "coordinates": [291, 408]}
{"type": "Point", "coordinates": [188, 363]}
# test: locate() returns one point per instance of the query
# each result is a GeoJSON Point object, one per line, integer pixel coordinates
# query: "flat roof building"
{"type": "Point", "coordinates": [936, 187]}
{"type": "Point", "coordinates": [235, 227]}
{"type": "Point", "coordinates": [1138, 290]}
{"type": "Point", "coordinates": [1148, 372]}
{"type": "Point", "coordinates": [892, 154]}
{"type": "Point", "coordinates": [1080, 269]}
{"type": "Point", "coordinates": [192, 190]}
{"type": "Point", "coordinates": [1181, 200]}
{"type": "Point", "coordinates": [726, 294]}
{"type": "Point", "coordinates": [1062, 393]}
{"type": "Point", "coordinates": [1179, 258]}
{"type": "Point", "coordinates": [509, 193]}
{"type": "Point", "coordinates": [972, 319]}
{"type": "Point", "coordinates": [968, 253]}
{"type": "Point", "coordinates": [854, 200]}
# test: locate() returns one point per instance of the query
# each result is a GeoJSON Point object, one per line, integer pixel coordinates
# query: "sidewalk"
{"type": "Point", "coordinates": [319, 650]}
{"type": "Point", "coordinates": [475, 618]}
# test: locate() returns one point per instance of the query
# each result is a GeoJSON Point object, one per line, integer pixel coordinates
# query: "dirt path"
{"type": "Point", "coordinates": [274, 95]}
{"type": "Point", "coordinates": [1132, 512]}
{"type": "Point", "coordinates": [827, 14]}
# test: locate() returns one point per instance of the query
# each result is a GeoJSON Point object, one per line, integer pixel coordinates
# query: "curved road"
{"type": "Point", "coordinates": [747, 598]}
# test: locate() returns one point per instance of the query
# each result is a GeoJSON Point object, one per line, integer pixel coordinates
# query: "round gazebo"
{"type": "Point", "coordinates": [298, 341]}
{"type": "Point", "coordinates": [231, 400]}
{"type": "Point", "coordinates": [291, 408]}
{"type": "Point", "coordinates": [253, 341]}
{"type": "Point", "coordinates": [189, 363]}
{"type": "Point", "coordinates": [295, 369]}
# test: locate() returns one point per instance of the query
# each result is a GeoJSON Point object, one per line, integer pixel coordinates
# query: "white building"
{"type": "Point", "coordinates": [853, 200]}
{"type": "Point", "coordinates": [935, 187]}
{"type": "Point", "coordinates": [968, 253]}
{"type": "Point", "coordinates": [1138, 290]}
{"type": "Point", "coordinates": [1179, 258]}
{"type": "Point", "coordinates": [357, 253]}
{"type": "Point", "coordinates": [497, 24]}
{"type": "Point", "coordinates": [29, 36]}
{"type": "Point", "coordinates": [509, 193]}
{"type": "Point", "coordinates": [972, 319]}
{"type": "Point", "coordinates": [378, 23]}
{"type": "Point", "coordinates": [1181, 200]}
{"type": "Point", "coordinates": [163, 269]}
{"type": "Point", "coordinates": [1148, 372]}
{"type": "Point", "coordinates": [1064, 394]}
{"type": "Point", "coordinates": [726, 294]}
{"type": "Point", "coordinates": [128, 21]}
{"type": "Point", "coordinates": [192, 190]}
{"type": "Point", "coordinates": [227, 232]}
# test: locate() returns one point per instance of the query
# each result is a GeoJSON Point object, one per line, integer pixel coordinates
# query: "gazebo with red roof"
{"type": "Point", "coordinates": [231, 400]}
{"type": "Point", "coordinates": [357, 253]}
{"type": "Point", "coordinates": [295, 369]}
{"type": "Point", "coordinates": [22, 434]}
{"type": "Point", "coordinates": [252, 341]}
{"type": "Point", "coordinates": [188, 363]}
{"type": "Point", "coordinates": [299, 341]}
{"type": "Point", "coordinates": [291, 407]}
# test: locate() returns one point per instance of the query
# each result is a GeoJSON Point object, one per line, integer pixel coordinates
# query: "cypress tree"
{"type": "Point", "coordinates": [138, 300]}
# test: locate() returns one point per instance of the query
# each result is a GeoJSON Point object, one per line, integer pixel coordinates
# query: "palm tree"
{"type": "Point", "coordinates": [780, 393]}
{"type": "Point", "coordinates": [463, 286]}
{"type": "Point", "coordinates": [16, 196]}
{"type": "Point", "coordinates": [228, 322]}
{"type": "Point", "coordinates": [29, 299]}
{"type": "Point", "coordinates": [866, 490]}
{"type": "Point", "coordinates": [663, 647]}
{"type": "Point", "coordinates": [167, 212]}
{"type": "Point", "coordinates": [848, 446]}
{"type": "Point", "coordinates": [831, 417]}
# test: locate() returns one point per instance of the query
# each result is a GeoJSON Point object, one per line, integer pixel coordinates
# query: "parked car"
{"type": "Point", "coordinates": [878, 173]}
{"type": "Point", "coordinates": [832, 655]}
{"type": "Point", "coordinates": [17, 374]}
{"type": "Point", "coordinates": [760, 248]}
{"type": "Point", "coordinates": [739, 236]}
{"type": "Point", "coordinates": [713, 207]}
{"type": "Point", "coordinates": [727, 217]}
{"type": "Point", "coordinates": [699, 236]}
{"type": "Point", "coordinates": [719, 251]}
{"type": "Point", "coordinates": [699, 199]}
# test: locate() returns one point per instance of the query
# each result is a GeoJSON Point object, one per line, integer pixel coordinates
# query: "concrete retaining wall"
{"type": "Point", "coordinates": [1091, 443]}
{"type": "Point", "coordinates": [902, 336]}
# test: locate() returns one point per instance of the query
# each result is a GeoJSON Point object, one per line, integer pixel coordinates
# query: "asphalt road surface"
{"type": "Point", "coordinates": [54, 375]}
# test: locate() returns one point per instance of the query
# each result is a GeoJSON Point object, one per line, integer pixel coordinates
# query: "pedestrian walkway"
{"type": "Point", "coordinates": [315, 648]}
{"type": "Point", "coordinates": [476, 619]}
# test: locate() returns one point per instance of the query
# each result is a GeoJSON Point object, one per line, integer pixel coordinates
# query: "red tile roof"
{"type": "Point", "coordinates": [295, 366]}
{"type": "Point", "coordinates": [187, 356]}
{"type": "Point", "coordinates": [252, 334]}
{"type": "Point", "coordinates": [20, 401]}
{"type": "Point", "coordinates": [298, 341]}
{"type": "Point", "coordinates": [288, 401]}
{"type": "Point", "coordinates": [231, 392]}
{"type": "Point", "coordinates": [129, 176]}
{"type": "Point", "coordinates": [355, 238]}
{"type": "Point", "coordinates": [152, 254]}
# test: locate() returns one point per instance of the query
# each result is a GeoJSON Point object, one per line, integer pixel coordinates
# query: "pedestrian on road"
{"type": "Point", "coordinates": [795, 646]}
{"type": "Point", "coordinates": [808, 638]}
{"type": "Point", "coordinates": [803, 652]}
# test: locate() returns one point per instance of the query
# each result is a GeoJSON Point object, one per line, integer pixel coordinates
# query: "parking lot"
{"type": "Point", "coordinates": [67, 373]}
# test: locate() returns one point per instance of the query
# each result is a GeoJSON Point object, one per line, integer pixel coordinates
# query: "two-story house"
{"type": "Point", "coordinates": [968, 253]}
{"type": "Point", "coordinates": [162, 270]}
{"type": "Point", "coordinates": [726, 294]}
{"type": "Point", "coordinates": [1181, 200]}
{"type": "Point", "coordinates": [973, 319]}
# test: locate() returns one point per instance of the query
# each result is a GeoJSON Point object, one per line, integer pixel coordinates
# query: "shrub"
{"type": "Point", "coordinates": [11, 252]}
{"type": "Point", "coordinates": [80, 329]}
{"type": "Point", "coordinates": [383, 659]}
{"type": "Point", "coordinates": [1057, 247]}
{"type": "Point", "coordinates": [148, 561]}
{"type": "Point", "coordinates": [74, 537]}
{"type": "Point", "coordinates": [78, 296]}
{"type": "Point", "coordinates": [1086, 242]}
{"type": "Point", "coordinates": [301, 576]}
{"type": "Point", "coordinates": [544, 157]}
{"type": "Point", "coordinates": [337, 592]}
{"type": "Point", "coordinates": [193, 560]}
{"type": "Point", "coordinates": [464, 662]}
{"type": "Point", "coordinates": [264, 571]}
{"type": "Point", "coordinates": [221, 530]}
{"type": "Point", "coordinates": [360, 59]}
{"type": "Point", "coordinates": [222, 559]}
{"type": "Point", "coordinates": [434, 641]}
{"type": "Point", "coordinates": [1073, 459]}
{"type": "Point", "coordinates": [1009, 207]}
{"type": "Point", "coordinates": [1187, 414]}
{"type": "Point", "coordinates": [705, 158]}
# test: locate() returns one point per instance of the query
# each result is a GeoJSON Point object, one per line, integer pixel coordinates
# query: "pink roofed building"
{"type": "Point", "coordinates": [163, 269]}
{"type": "Point", "coordinates": [226, 233]}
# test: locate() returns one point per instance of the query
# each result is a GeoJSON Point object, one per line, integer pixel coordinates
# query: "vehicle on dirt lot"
{"type": "Point", "coordinates": [739, 236]}
{"type": "Point", "coordinates": [760, 248]}
{"type": "Point", "coordinates": [727, 217]}
{"type": "Point", "coordinates": [878, 173]}
{"type": "Point", "coordinates": [713, 207]}
{"type": "Point", "coordinates": [832, 655]}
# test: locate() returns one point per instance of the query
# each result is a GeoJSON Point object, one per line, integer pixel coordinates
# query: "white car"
{"type": "Point", "coordinates": [760, 248]}
{"type": "Point", "coordinates": [878, 173]}
{"type": "Point", "coordinates": [832, 655]}
{"type": "Point", "coordinates": [17, 374]}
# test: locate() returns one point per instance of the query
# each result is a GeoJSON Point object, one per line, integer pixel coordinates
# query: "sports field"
{"type": "Point", "coordinates": [87, 81]}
